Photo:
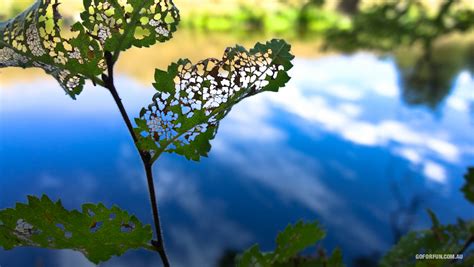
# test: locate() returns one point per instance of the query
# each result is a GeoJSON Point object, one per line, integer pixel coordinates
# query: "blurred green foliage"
{"type": "Point", "coordinates": [427, 76]}
{"type": "Point", "coordinates": [290, 243]}
{"type": "Point", "coordinates": [439, 240]}
{"type": "Point", "coordinates": [394, 23]}
{"type": "Point", "coordinates": [453, 239]}
{"type": "Point", "coordinates": [468, 188]}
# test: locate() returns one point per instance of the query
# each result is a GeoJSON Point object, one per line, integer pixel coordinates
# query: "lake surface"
{"type": "Point", "coordinates": [339, 145]}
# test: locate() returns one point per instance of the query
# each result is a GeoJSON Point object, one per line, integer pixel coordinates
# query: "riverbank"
{"type": "Point", "coordinates": [271, 16]}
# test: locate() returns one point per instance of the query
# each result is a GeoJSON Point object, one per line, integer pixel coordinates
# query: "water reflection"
{"type": "Point", "coordinates": [320, 149]}
{"type": "Point", "coordinates": [427, 78]}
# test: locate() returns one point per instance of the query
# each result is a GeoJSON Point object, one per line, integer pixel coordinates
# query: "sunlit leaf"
{"type": "Point", "coordinates": [192, 99]}
{"type": "Point", "coordinates": [290, 243]}
{"type": "Point", "coordinates": [97, 232]}
{"type": "Point", "coordinates": [34, 39]}
{"type": "Point", "coordinates": [468, 188]}
{"type": "Point", "coordinates": [441, 239]}
{"type": "Point", "coordinates": [118, 25]}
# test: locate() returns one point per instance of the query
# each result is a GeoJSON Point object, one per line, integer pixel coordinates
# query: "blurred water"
{"type": "Point", "coordinates": [338, 144]}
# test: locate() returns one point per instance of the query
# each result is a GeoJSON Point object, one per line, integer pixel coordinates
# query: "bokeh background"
{"type": "Point", "coordinates": [376, 126]}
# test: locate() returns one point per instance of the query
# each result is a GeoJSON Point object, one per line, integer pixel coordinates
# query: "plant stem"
{"type": "Point", "coordinates": [160, 244]}
{"type": "Point", "coordinates": [467, 244]}
{"type": "Point", "coordinates": [108, 80]}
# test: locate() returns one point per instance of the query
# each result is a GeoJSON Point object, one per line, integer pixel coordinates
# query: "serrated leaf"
{"type": "Point", "coordinates": [468, 188]}
{"type": "Point", "coordinates": [290, 243]}
{"type": "Point", "coordinates": [192, 99]}
{"type": "Point", "coordinates": [441, 239]}
{"type": "Point", "coordinates": [254, 257]}
{"type": "Point", "coordinates": [295, 238]}
{"type": "Point", "coordinates": [119, 25]}
{"type": "Point", "coordinates": [34, 39]}
{"type": "Point", "coordinates": [97, 232]}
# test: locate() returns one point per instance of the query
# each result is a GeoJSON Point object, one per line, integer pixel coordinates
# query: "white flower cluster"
{"type": "Point", "coordinates": [252, 72]}
{"type": "Point", "coordinates": [34, 42]}
{"type": "Point", "coordinates": [159, 28]}
{"type": "Point", "coordinates": [60, 58]}
{"type": "Point", "coordinates": [207, 86]}
{"type": "Point", "coordinates": [73, 82]}
{"type": "Point", "coordinates": [103, 33]}
{"type": "Point", "coordinates": [76, 54]}
{"type": "Point", "coordinates": [10, 58]}
{"type": "Point", "coordinates": [162, 124]}
{"type": "Point", "coordinates": [154, 124]}
{"type": "Point", "coordinates": [23, 228]}
{"type": "Point", "coordinates": [67, 81]}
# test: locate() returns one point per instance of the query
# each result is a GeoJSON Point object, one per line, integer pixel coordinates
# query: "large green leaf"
{"type": "Point", "coordinates": [35, 39]}
{"type": "Point", "coordinates": [440, 239]}
{"type": "Point", "coordinates": [290, 243]}
{"type": "Point", "coordinates": [468, 188]}
{"type": "Point", "coordinates": [97, 232]}
{"type": "Point", "coordinates": [192, 99]}
{"type": "Point", "coordinates": [118, 25]}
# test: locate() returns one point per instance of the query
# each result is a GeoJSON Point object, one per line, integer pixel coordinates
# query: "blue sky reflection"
{"type": "Point", "coordinates": [328, 147]}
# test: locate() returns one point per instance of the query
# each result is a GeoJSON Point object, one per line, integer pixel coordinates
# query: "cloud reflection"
{"type": "Point", "coordinates": [354, 100]}
{"type": "Point", "coordinates": [204, 216]}
{"type": "Point", "coordinates": [356, 120]}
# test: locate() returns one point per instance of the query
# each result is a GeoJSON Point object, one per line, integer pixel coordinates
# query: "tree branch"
{"type": "Point", "coordinates": [160, 243]}
{"type": "Point", "coordinates": [144, 155]}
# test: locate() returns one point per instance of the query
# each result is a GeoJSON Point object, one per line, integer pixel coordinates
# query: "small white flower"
{"type": "Point", "coordinates": [9, 58]}
{"type": "Point", "coordinates": [24, 228]}
{"type": "Point", "coordinates": [103, 33]}
{"type": "Point", "coordinates": [162, 31]}
{"type": "Point", "coordinates": [33, 40]}
{"type": "Point", "coordinates": [154, 23]}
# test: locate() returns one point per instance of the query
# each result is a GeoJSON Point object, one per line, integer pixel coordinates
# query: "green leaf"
{"type": "Point", "coordinates": [254, 257]}
{"type": "Point", "coordinates": [295, 239]}
{"type": "Point", "coordinates": [119, 25]}
{"type": "Point", "coordinates": [34, 39]}
{"type": "Point", "coordinates": [290, 243]}
{"type": "Point", "coordinates": [468, 188]}
{"type": "Point", "coordinates": [336, 259]}
{"type": "Point", "coordinates": [441, 239]}
{"type": "Point", "coordinates": [192, 99]}
{"type": "Point", "coordinates": [97, 232]}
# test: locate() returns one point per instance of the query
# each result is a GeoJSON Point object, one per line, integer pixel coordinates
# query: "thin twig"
{"type": "Point", "coordinates": [466, 245]}
{"type": "Point", "coordinates": [108, 80]}
{"type": "Point", "coordinates": [160, 243]}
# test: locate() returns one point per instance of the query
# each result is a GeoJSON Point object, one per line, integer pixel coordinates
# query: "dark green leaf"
{"type": "Point", "coordinates": [336, 259]}
{"type": "Point", "coordinates": [290, 243]}
{"type": "Point", "coordinates": [97, 232]}
{"type": "Point", "coordinates": [192, 99]}
{"type": "Point", "coordinates": [34, 39]}
{"type": "Point", "coordinates": [254, 257]}
{"type": "Point", "coordinates": [468, 188]}
{"type": "Point", "coordinates": [295, 239]}
{"type": "Point", "coordinates": [119, 25]}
